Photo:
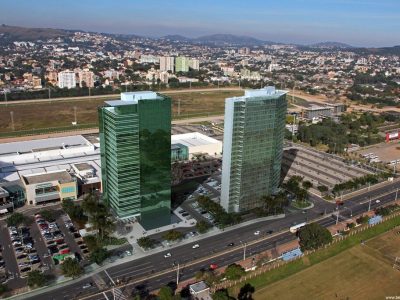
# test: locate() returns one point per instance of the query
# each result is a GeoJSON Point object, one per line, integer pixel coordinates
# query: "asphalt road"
{"type": "Point", "coordinates": [214, 249]}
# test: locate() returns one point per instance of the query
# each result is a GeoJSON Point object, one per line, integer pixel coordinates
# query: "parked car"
{"type": "Point", "coordinates": [166, 255]}
{"type": "Point", "coordinates": [195, 246]}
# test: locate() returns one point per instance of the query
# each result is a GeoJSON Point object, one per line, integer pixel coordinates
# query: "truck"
{"type": "Point", "coordinates": [295, 228]}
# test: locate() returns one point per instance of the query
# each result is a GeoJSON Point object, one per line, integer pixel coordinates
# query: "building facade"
{"type": "Point", "coordinates": [167, 63]}
{"type": "Point", "coordinates": [135, 143]}
{"type": "Point", "coordinates": [182, 64]}
{"type": "Point", "coordinates": [50, 186]}
{"type": "Point", "coordinates": [252, 150]}
{"type": "Point", "coordinates": [66, 79]}
{"type": "Point", "coordinates": [86, 78]}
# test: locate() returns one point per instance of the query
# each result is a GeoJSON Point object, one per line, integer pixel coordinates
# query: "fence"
{"type": "Point", "coordinates": [270, 267]}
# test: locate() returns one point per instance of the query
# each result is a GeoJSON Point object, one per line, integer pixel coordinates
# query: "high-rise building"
{"type": "Point", "coordinates": [181, 64]}
{"type": "Point", "coordinates": [66, 79]}
{"type": "Point", "coordinates": [167, 63]}
{"type": "Point", "coordinates": [86, 78]}
{"type": "Point", "coordinates": [194, 64]}
{"type": "Point", "coordinates": [254, 128]}
{"type": "Point", "coordinates": [135, 144]}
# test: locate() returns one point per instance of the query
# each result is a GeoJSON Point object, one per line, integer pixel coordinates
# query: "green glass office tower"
{"type": "Point", "coordinates": [135, 144]}
{"type": "Point", "coordinates": [254, 128]}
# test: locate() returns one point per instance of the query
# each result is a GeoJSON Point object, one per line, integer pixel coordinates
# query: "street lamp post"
{"type": "Point", "coordinates": [337, 215]}
{"type": "Point", "coordinates": [244, 249]}
{"type": "Point", "coordinates": [369, 203]}
{"type": "Point", "coordinates": [351, 211]}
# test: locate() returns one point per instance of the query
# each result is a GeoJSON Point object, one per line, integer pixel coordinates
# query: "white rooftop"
{"type": "Point", "coordinates": [193, 139]}
{"type": "Point", "coordinates": [268, 91]}
{"type": "Point", "coordinates": [133, 98]}
{"type": "Point", "coordinates": [34, 145]}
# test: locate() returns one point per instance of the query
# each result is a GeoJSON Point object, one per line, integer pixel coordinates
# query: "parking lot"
{"type": "Point", "coordinates": [318, 168]}
{"type": "Point", "coordinates": [38, 245]}
{"type": "Point", "coordinates": [385, 152]}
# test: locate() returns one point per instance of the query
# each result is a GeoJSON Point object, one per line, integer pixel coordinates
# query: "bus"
{"type": "Point", "coordinates": [295, 228]}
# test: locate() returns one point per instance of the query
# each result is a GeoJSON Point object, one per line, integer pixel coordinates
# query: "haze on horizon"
{"type": "Point", "coordinates": [366, 23]}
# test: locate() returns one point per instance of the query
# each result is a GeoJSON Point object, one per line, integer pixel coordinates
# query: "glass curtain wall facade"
{"type": "Point", "coordinates": [253, 146]}
{"type": "Point", "coordinates": [136, 157]}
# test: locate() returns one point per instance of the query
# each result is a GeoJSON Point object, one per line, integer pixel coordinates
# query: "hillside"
{"type": "Point", "coordinates": [16, 33]}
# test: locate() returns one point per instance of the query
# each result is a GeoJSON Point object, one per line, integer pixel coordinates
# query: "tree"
{"type": "Point", "coordinates": [307, 185]}
{"type": "Point", "coordinates": [234, 271]}
{"type": "Point", "coordinates": [98, 255]}
{"type": "Point", "coordinates": [71, 268]}
{"type": "Point", "coordinates": [36, 279]}
{"type": "Point", "coordinates": [15, 219]}
{"type": "Point", "coordinates": [3, 289]}
{"type": "Point", "coordinates": [362, 220]}
{"type": "Point", "coordinates": [322, 188]}
{"type": "Point", "coordinates": [48, 215]}
{"type": "Point", "coordinates": [222, 295]}
{"type": "Point", "coordinates": [202, 226]}
{"type": "Point", "coordinates": [172, 235]}
{"type": "Point", "coordinates": [246, 292]}
{"type": "Point", "coordinates": [165, 293]}
{"type": "Point", "coordinates": [146, 242]}
{"type": "Point", "coordinates": [313, 236]}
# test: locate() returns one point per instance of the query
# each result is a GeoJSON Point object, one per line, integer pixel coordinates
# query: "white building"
{"type": "Point", "coordinates": [197, 143]}
{"type": "Point", "coordinates": [194, 64]}
{"type": "Point", "coordinates": [149, 59]}
{"type": "Point", "coordinates": [66, 79]}
{"type": "Point", "coordinates": [86, 77]}
{"type": "Point", "coordinates": [167, 63]}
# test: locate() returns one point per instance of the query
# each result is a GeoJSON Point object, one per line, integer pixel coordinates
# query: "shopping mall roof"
{"type": "Point", "coordinates": [60, 176]}
{"type": "Point", "coordinates": [193, 139]}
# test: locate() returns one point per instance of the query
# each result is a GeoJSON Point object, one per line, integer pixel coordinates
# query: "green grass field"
{"type": "Point", "coordinates": [361, 272]}
{"type": "Point", "coordinates": [38, 116]}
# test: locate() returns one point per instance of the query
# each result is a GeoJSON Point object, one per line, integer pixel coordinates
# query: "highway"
{"type": "Point", "coordinates": [153, 271]}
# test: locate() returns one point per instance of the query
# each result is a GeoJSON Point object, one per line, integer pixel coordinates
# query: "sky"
{"type": "Point", "coordinates": [370, 23]}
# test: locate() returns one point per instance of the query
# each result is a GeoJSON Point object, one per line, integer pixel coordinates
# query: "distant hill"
{"type": "Point", "coordinates": [219, 39]}
{"type": "Point", "coordinates": [395, 50]}
{"type": "Point", "coordinates": [176, 37]}
{"type": "Point", "coordinates": [31, 34]}
{"type": "Point", "coordinates": [330, 45]}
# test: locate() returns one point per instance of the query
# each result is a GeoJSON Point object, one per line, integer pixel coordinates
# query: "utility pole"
{"type": "Point", "coordinates": [337, 216]}
{"type": "Point", "coordinates": [244, 251]}
{"type": "Point", "coordinates": [177, 275]}
{"type": "Point", "coordinates": [293, 94]}
{"type": "Point", "coordinates": [395, 199]}
{"type": "Point", "coordinates": [12, 120]}
{"type": "Point", "coordinates": [369, 205]}
{"type": "Point", "coordinates": [179, 107]}
{"type": "Point", "coordinates": [294, 124]}
{"type": "Point", "coordinates": [76, 122]}
{"type": "Point", "coordinates": [239, 83]}
{"type": "Point", "coordinates": [49, 93]}
{"type": "Point", "coordinates": [5, 96]}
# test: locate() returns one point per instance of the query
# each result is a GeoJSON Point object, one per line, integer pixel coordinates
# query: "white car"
{"type": "Point", "coordinates": [166, 255]}
{"type": "Point", "coordinates": [257, 232]}
{"type": "Point", "coordinates": [87, 285]}
{"type": "Point", "coordinates": [378, 201]}
{"type": "Point", "coordinates": [128, 253]}
{"type": "Point", "coordinates": [195, 246]}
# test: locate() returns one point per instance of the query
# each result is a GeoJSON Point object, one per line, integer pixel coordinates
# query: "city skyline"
{"type": "Point", "coordinates": [355, 22]}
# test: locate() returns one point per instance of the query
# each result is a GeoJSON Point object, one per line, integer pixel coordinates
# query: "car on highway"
{"type": "Point", "coordinates": [195, 246]}
{"type": "Point", "coordinates": [166, 255]}
{"type": "Point", "coordinates": [87, 285]}
{"type": "Point", "coordinates": [378, 201]}
{"type": "Point", "coordinates": [213, 266]}
{"type": "Point", "coordinates": [270, 232]}
{"type": "Point", "coordinates": [257, 232]}
{"type": "Point", "coordinates": [231, 244]}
